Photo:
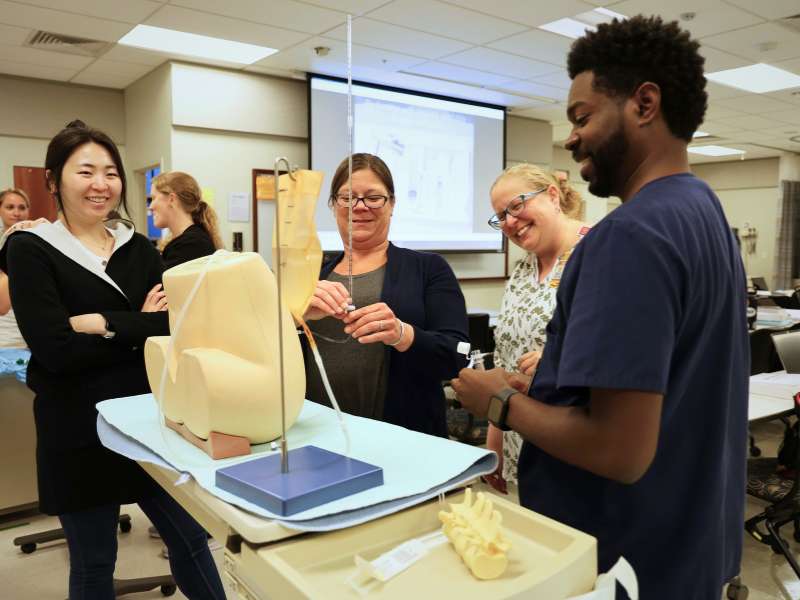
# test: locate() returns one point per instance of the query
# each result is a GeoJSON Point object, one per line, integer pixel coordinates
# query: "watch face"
{"type": "Point", "coordinates": [495, 408]}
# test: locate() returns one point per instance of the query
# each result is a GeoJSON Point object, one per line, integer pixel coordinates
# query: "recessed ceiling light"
{"type": "Point", "coordinates": [191, 44]}
{"type": "Point", "coordinates": [700, 134]}
{"type": "Point", "coordinates": [759, 78]}
{"type": "Point", "coordinates": [714, 150]}
{"type": "Point", "coordinates": [575, 27]}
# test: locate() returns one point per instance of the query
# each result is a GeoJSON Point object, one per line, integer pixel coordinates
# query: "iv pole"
{"type": "Point", "coordinates": [279, 259]}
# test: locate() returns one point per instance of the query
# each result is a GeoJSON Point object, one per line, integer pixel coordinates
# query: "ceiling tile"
{"type": "Point", "coordinates": [33, 56]}
{"type": "Point", "coordinates": [717, 91]}
{"type": "Point", "coordinates": [104, 66]}
{"type": "Point", "coordinates": [789, 65]}
{"type": "Point", "coordinates": [36, 71]}
{"type": "Point", "coordinates": [537, 44]}
{"type": "Point", "coordinates": [55, 21]}
{"type": "Point", "coordinates": [755, 122]}
{"type": "Point", "coordinates": [719, 128]}
{"type": "Point", "coordinates": [192, 21]}
{"type": "Point", "coordinates": [772, 9]}
{"type": "Point", "coordinates": [353, 7]}
{"type": "Point", "coordinates": [766, 43]}
{"type": "Point", "coordinates": [717, 60]}
{"type": "Point", "coordinates": [558, 79]}
{"type": "Point", "coordinates": [552, 113]}
{"type": "Point", "coordinates": [135, 55]}
{"type": "Point", "coordinates": [130, 11]}
{"type": "Point", "coordinates": [303, 57]}
{"type": "Point", "coordinates": [378, 34]}
{"type": "Point", "coordinates": [525, 11]}
{"type": "Point", "coordinates": [459, 74]}
{"type": "Point", "coordinates": [711, 16]}
{"type": "Point", "coordinates": [754, 104]}
{"type": "Point", "coordinates": [443, 88]}
{"type": "Point", "coordinates": [446, 20]}
{"type": "Point", "coordinates": [785, 131]}
{"type": "Point", "coordinates": [532, 88]}
{"type": "Point", "coordinates": [714, 112]}
{"type": "Point", "coordinates": [13, 36]}
{"type": "Point", "coordinates": [791, 96]}
{"type": "Point", "coordinates": [502, 63]}
{"type": "Point", "coordinates": [276, 13]}
{"type": "Point", "coordinates": [789, 116]}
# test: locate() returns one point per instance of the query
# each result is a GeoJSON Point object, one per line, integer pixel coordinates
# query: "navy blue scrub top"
{"type": "Point", "coordinates": [653, 299]}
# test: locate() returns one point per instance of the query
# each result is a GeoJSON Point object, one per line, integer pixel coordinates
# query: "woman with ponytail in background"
{"type": "Point", "coordinates": [178, 206]}
{"type": "Point", "coordinates": [539, 213]}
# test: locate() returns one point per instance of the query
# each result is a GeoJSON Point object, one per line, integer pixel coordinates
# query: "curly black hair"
{"type": "Point", "coordinates": [624, 54]}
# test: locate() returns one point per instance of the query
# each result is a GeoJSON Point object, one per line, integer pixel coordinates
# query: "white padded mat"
{"type": "Point", "coordinates": [415, 466]}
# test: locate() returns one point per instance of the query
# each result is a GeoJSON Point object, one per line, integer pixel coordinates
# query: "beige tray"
{"type": "Point", "coordinates": [547, 561]}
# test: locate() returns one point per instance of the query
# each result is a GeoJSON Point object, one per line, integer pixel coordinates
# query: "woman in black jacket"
{"type": "Point", "coordinates": [178, 206]}
{"type": "Point", "coordinates": [86, 298]}
{"type": "Point", "coordinates": [409, 330]}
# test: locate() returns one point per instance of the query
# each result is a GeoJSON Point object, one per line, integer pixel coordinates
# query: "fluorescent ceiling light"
{"type": "Point", "coordinates": [714, 150]}
{"type": "Point", "coordinates": [575, 27]}
{"type": "Point", "coordinates": [191, 44]}
{"type": "Point", "coordinates": [700, 134]}
{"type": "Point", "coordinates": [758, 78]}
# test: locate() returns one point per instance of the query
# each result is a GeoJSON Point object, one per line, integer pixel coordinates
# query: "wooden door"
{"type": "Point", "coordinates": [31, 180]}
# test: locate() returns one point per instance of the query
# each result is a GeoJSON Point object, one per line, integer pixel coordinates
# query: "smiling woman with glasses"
{"type": "Point", "coordinates": [409, 315]}
{"type": "Point", "coordinates": [539, 213]}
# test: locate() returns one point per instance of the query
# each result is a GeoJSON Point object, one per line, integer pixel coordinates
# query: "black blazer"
{"type": "Point", "coordinates": [70, 372]}
{"type": "Point", "coordinates": [422, 290]}
{"type": "Point", "coordinates": [193, 243]}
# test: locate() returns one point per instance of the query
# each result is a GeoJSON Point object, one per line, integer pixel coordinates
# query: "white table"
{"type": "Point", "coordinates": [764, 408]}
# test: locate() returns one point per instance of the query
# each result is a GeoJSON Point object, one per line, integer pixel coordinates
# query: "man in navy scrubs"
{"type": "Point", "coordinates": [635, 423]}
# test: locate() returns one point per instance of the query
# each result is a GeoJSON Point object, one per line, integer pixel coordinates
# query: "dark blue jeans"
{"type": "Point", "coordinates": [92, 540]}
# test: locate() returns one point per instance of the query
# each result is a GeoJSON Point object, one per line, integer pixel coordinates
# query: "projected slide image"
{"type": "Point", "coordinates": [430, 154]}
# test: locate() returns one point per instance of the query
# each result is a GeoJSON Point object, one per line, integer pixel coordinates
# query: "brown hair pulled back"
{"type": "Point", "coordinates": [362, 161]}
{"type": "Point", "coordinates": [187, 191]}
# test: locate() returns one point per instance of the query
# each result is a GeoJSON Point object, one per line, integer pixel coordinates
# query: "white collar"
{"type": "Point", "coordinates": [60, 238]}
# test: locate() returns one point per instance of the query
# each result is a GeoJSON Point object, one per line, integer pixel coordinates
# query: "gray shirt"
{"type": "Point", "coordinates": [357, 372]}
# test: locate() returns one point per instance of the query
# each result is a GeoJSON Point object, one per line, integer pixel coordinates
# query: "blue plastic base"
{"type": "Point", "coordinates": [315, 477]}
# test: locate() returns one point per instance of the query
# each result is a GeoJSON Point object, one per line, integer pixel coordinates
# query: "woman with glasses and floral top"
{"type": "Point", "coordinates": [538, 212]}
{"type": "Point", "coordinates": [386, 359]}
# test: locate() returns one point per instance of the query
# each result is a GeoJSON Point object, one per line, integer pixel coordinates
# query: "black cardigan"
{"type": "Point", "coordinates": [193, 243]}
{"type": "Point", "coordinates": [422, 290]}
{"type": "Point", "coordinates": [70, 372]}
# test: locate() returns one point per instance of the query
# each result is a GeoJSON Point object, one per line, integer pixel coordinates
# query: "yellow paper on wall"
{"type": "Point", "coordinates": [208, 195]}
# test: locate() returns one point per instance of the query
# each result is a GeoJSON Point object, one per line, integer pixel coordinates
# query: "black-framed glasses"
{"type": "Point", "coordinates": [514, 208]}
{"type": "Point", "coordinates": [371, 201]}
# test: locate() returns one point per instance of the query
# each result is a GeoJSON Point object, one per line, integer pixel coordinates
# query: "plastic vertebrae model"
{"type": "Point", "coordinates": [474, 530]}
{"type": "Point", "coordinates": [223, 368]}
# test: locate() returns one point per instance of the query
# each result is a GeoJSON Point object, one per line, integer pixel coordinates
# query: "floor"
{"type": "Point", "coordinates": [43, 574]}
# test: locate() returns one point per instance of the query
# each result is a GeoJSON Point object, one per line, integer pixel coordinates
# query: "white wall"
{"type": "Point", "coordinates": [223, 162]}
{"type": "Point", "coordinates": [32, 111]}
{"type": "Point", "coordinates": [148, 113]}
{"type": "Point", "coordinates": [748, 191]}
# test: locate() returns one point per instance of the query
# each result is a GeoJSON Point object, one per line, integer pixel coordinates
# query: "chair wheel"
{"type": "Point", "coordinates": [28, 548]}
{"type": "Point", "coordinates": [125, 526]}
{"type": "Point", "coordinates": [168, 590]}
{"type": "Point", "coordinates": [737, 592]}
{"type": "Point", "coordinates": [755, 452]}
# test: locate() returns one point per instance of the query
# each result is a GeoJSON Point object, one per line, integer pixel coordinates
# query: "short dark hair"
{"type": "Point", "coordinates": [361, 162]}
{"type": "Point", "coordinates": [624, 54]}
{"type": "Point", "coordinates": [73, 136]}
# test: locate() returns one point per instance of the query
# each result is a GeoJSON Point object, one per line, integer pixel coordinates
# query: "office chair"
{"type": "Point", "coordinates": [782, 490]}
{"type": "Point", "coordinates": [166, 584]}
{"type": "Point", "coordinates": [787, 345]}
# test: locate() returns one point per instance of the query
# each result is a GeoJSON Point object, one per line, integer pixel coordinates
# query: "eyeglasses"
{"type": "Point", "coordinates": [514, 208]}
{"type": "Point", "coordinates": [371, 201]}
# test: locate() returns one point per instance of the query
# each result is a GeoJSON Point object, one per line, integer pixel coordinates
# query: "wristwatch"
{"type": "Point", "coordinates": [110, 333]}
{"type": "Point", "coordinates": [498, 408]}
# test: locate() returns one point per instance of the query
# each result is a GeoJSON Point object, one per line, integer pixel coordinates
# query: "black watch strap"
{"type": "Point", "coordinates": [498, 413]}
